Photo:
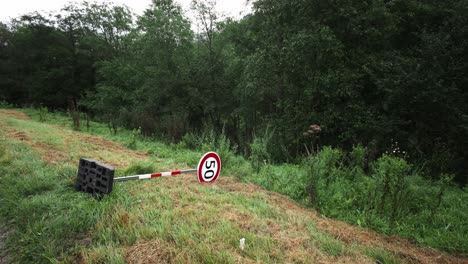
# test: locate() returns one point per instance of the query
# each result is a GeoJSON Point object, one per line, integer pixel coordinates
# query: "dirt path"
{"type": "Point", "coordinates": [117, 155]}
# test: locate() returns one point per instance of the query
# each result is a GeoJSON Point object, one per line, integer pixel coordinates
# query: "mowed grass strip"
{"type": "Point", "coordinates": [179, 221]}
{"type": "Point", "coordinates": [57, 144]}
{"type": "Point", "coordinates": [173, 220]}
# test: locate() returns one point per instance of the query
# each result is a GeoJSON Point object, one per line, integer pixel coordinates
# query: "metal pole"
{"type": "Point", "coordinates": [153, 175]}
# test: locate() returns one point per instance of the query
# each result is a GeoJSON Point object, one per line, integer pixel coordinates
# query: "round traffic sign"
{"type": "Point", "coordinates": [209, 167]}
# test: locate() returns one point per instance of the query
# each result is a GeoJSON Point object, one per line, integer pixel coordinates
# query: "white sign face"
{"type": "Point", "coordinates": [209, 167]}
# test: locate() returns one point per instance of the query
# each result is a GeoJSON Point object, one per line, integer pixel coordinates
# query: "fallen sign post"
{"type": "Point", "coordinates": [97, 178]}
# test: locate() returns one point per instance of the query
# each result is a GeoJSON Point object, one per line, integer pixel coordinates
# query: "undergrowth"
{"type": "Point", "coordinates": [392, 198]}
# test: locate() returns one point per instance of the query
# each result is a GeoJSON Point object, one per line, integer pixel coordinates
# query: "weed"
{"type": "Point", "coordinates": [382, 256]}
{"type": "Point", "coordinates": [140, 167]}
{"type": "Point", "coordinates": [43, 112]}
{"type": "Point", "coordinates": [5, 105]}
{"type": "Point", "coordinates": [331, 246]}
{"type": "Point", "coordinates": [260, 154]}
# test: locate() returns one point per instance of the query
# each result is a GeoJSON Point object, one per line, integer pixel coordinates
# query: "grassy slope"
{"type": "Point", "coordinates": [163, 220]}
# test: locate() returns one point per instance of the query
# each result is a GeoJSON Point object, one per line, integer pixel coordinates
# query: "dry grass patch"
{"type": "Point", "coordinates": [154, 251]}
{"type": "Point", "coordinates": [271, 232]}
{"type": "Point", "coordinates": [59, 145]}
{"type": "Point", "coordinates": [14, 114]}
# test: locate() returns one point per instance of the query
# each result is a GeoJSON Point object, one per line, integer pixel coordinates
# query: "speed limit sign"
{"type": "Point", "coordinates": [209, 167]}
{"type": "Point", "coordinates": [98, 178]}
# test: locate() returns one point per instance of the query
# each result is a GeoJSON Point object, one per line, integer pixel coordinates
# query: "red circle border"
{"type": "Point", "coordinates": [202, 161]}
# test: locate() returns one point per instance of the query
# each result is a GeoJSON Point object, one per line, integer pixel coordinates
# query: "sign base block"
{"type": "Point", "coordinates": [94, 177]}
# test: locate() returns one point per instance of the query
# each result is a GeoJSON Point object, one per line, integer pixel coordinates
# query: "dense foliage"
{"type": "Point", "coordinates": [376, 73]}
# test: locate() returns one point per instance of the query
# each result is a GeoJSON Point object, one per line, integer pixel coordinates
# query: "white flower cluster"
{"type": "Point", "coordinates": [395, 149]}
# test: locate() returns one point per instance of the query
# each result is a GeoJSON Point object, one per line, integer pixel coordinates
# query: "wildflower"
{"type": "Point", "coordinates": [315, 128]}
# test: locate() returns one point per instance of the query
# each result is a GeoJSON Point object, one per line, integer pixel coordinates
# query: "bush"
{"type": "Point", "coordinates": [135, 136]}
{"type": "Point", "coordinates": [5, 105]}
{"type": "Point", "coordinates": [259, 150]}
{"type": "Point", "coordinates": [191, 141]}
{"type": "Point", "coordinates": [43, 112]}
{"type": "Point", "coordinates": [209, 140]}
{"type": "Point", "coordinates": [357, 160]}
{"type": "Point", "coordinates": [390, 174]}
{"type": "Point", "coordinates": [321, 170]}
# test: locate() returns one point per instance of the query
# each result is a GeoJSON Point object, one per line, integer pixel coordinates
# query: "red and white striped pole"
{"type": "Point", "coordinates": [153, 175]}
{"type": "Point", "coordinates": [208, 170]}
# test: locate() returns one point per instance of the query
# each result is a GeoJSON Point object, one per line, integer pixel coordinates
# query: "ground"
{"type": "Point", "coordinates": [291, 233]}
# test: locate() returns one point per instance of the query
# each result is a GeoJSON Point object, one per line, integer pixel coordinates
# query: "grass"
{"type": "Point", "coordinates": [383, 256]}
{"type": "Point", "coordinates": [343, 194]}
{"type": "Point", "coordinates": [173, 220]}
{"type": "Point", "coordinates": [39, 206]}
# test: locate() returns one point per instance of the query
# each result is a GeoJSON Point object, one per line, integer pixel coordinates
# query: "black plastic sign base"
{"type": "Point", "coordinates": [94, 177]}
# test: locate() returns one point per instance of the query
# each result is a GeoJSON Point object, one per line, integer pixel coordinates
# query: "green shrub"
{"type": "Point", "coordinates": [191, 141]}
{"type": "Point", "coordinates": [259, 150]}
{"type": "Point", "coordinates": [239, 167]}
{"type": "Point", "coordinates": [221, 144]}
{"type": "Point", "coordinates": [357, 161]}
{"type": "Point", "coordinates": [209, 140]}
{"type": "Point", "coordinates": [134, 138]}
{"type": "Point", "coordinates": [321, 170]}
{"type": "Point", "coordinates": [43, 112]}
{"type": "Point", "coordinates": [391, 175]}
{"type": "Point", "coordinates": [5, 105]}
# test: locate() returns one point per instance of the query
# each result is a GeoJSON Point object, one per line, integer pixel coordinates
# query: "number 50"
{"type": "Point", "coordinates": [209, 173]}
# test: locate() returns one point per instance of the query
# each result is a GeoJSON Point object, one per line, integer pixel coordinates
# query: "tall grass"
{"type": "Point", "coordinates": [45, 216]}
{"type": "Point", "coordinates": [392, 198]}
